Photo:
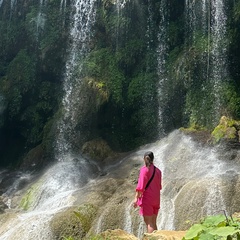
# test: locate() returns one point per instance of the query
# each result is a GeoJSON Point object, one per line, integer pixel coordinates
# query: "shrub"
{"type": "Point", "coordinates": [215, 227]}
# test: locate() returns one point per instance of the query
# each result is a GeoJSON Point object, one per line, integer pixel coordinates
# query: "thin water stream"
{"type": "Point", "coordinates": [162, 51]}
{"type": "Point", "coordinates": [83, 17]}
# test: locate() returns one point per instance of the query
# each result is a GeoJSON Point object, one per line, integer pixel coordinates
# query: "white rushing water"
{"type": "Point", "coordinates": [83, 17]}
{"type": "Point", "coordinates": [63, 5]}
{"type": "Point", "coordinates": [162, 52]}
{"type": "Point", "coordinates": [13, 2]}
{"type": "Point", "coordinates": [219, 70]}
{"type": "Point", "coordinates": [191, 175]}
{"type": "Point", "coordinates": [206, 23]}
{"type": "Point", "coordinates": [41, 17]}
{"type": "Point", "coordinates": [51, 193]}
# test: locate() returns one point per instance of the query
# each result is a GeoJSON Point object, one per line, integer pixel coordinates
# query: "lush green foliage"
{"type": "Point", "coordinates": [123, 64]}
{"type": "Point", "coordinates": [31, 61]}
{"type": "Point", "coordinates": [215, 227]}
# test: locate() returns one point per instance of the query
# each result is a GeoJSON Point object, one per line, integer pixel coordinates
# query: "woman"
{"type": "Point", "coordinates": [148, 192]}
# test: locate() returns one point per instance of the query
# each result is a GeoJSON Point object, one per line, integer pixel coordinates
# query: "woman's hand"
{"type": "Point", "coordinates": [135, 203]}
{"type": "Point", "coordinates": [137, 195]}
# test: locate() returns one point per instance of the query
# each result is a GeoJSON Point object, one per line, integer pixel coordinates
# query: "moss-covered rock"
{"type": "Point", "coordinates": [227, 129]}
{"type": "Point", "coordinates": [74, 222]}
{"type": "Point", "coordinates": [29, 200]}
{"type": "Point", "coordinates": [97, 149]}
{"type": "Point", "coordinates": [199, 134]}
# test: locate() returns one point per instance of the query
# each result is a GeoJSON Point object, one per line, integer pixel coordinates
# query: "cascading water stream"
{"type": "Point", "coordinates": [63, 5]}
{"type": "Point", "coordinates": [120, 4]}
{"type": "Point", "coordinates": [206, 27]}
{"type": "Point", "coordinates": [13, 3]}
{"type": "Point", "coordinates": [186, 170]}
{"type": "Point", "coordinates": [196, 182]}
{"type": "Point", "coordinates": [83, 18]}
{"type": "Point", "coordinates": [41, 18]}
{"type": "Point", "coordinates": [219, 72]}
{"type": "Point", "coordinates": [162, 52]}
{"type": "Point", "coordinates": [55, 188]}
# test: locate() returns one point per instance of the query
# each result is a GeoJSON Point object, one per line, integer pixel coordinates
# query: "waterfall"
{"type": "Point", "coordinates": [13, 2]}
{"type": "Point", "coordinates": [219, 71]}
{"type": "Point", "coordinates": [190, 18]}
{"type": "Point", "coordinates": [162, 52]}
{"type": "Point", "coordinates": [63, 5]}
{"type": "Point", "coordinates": [41, 18]}
{"type": "Point", "coordinates": [83, 18]}
{"type": "Point", "coordinates": [206, 43]}
{"type": "Point", "coordinates": [197, 181]}
{"type": "Point", "coordinates": [1, 1]}
{"type": "Point", "coordinates": [191, 176]}
{"type": "Point", "coordinates": [120, 4]}
{"type": "Point", "coordinates": [50, 194]}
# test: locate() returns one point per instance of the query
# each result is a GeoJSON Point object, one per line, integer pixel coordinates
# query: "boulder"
{"type": "Point", "coordinates": [34, 159]}
{"type": "Point", "coordinates": [97, 149]}
{"type": "Point", "coordinates": [227, 130]}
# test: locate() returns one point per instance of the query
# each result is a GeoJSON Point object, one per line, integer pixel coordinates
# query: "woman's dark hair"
{"type": "Point", "coordinates": [148, 157]}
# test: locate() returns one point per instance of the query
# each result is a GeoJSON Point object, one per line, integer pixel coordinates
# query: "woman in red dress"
{"type": "Point", "coordinates": [148, 192]}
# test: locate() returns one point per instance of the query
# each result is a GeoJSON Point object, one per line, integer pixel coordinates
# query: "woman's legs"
{"type": "Point", "coordinates": [150, 222]}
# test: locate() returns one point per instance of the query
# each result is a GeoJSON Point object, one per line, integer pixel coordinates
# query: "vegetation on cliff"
{"type": "Point", "coordinates": [122, 70]}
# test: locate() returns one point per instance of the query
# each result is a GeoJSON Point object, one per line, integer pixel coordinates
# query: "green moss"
{"type": "Point", "coordinates": [74, 223]}
{"type": "Point", "coordinates": [227, 129]}
{"type": "Point", "coordinates": [193, 128]}
{"type": "Point", "coordinates": [30, 197]}
{"type": "Point", "coordinates": [86, 214]}
{"type": "Point", "coordinates": [218, 133]}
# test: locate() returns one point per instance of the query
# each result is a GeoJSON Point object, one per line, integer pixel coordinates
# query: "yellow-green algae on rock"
{"type": "Point", "coordinates": [227, 129]}
{"type": "Point", "coordinates": [30, 198]}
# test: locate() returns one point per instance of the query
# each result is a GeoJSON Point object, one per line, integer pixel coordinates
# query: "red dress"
{"type": "Point", "coordinates": [150, 201]}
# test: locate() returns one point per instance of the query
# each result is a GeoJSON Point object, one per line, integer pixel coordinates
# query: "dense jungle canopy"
{"type": "Point", "coordinates": [149, 66]}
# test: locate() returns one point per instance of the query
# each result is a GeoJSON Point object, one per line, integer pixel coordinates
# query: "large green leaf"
{"type": "Point", "coordinates": [206, 236]}
{"type": "Point", "coordinates": [194, 231]}
{"type": "Point", "coordinates": [224, 231]}
{"type": "Point", "coordinates": [214, 220]}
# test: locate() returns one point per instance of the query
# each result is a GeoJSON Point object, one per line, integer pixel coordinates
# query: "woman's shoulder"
{"type": "Point", "coordinates": [158, 170]}
{"type": "Point", "coordinates": [144, 169]}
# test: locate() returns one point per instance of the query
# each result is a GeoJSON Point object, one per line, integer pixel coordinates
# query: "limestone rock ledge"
{"type": "Point", "coordinates": [119, 234]}
{"type": "Point", "coordinates": [164, 235]}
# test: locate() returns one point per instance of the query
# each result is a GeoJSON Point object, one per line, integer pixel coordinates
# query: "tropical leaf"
{"type": "Point", "coordinates": [206, 236]}
{"type": "Point", "coordinates": [224, 231]}
{"type": "Point", "coordinates": [215, 220]}
{"type": "Point", "coordinates": [194, 231]}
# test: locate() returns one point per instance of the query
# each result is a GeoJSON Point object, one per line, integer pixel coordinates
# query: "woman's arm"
{"type": "Point", "coordinates": [137, 195]}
